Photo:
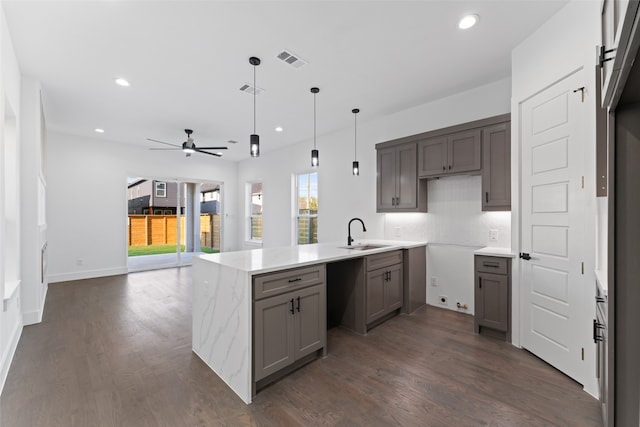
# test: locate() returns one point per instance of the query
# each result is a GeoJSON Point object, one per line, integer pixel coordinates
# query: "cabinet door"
{"type": "Point", "coordinates": [492, 305]}
{"type": "Point", "coordinates": [273, 335]}
{"type": "Point", "coordinates": [407, 177]}
{"type": "Point", "coordinates": [432, 156]}
{"type": "Point", "coordinates": [375, 294]}
{"type": "Point", "coordinates": [386, 179]}
{"type": "Point", "coordinates": [496, 168]}
{"type": "Point", "coordinates": [464, 151]}
{"type": "Point", "coordinates": [310, 326]}
{"type": "Point", "coordinates": [393, 288]}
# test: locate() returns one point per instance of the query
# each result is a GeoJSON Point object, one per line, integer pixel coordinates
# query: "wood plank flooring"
{"type": "Point", "coordinates": [116, 351]}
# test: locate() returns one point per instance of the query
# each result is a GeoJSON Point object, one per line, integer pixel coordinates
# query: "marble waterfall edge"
{"type": "Point", "coordinates": [222, 323]}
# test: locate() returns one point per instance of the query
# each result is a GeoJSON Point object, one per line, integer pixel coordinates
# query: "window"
{"type": "Point", "coordinates": [254, 208]}
{"type": "Point", "coordinates": [161, 189]}
{"type": "Point", "coordinates": [307, 208]}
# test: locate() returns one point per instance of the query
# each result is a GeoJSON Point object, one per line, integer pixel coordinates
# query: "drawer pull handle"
{"type": "Point", "coordinates": [297, 279]}
{"type": "Point", "coordinates": [291, 309]}
{"type": "Point", "coordinates": [298, 304]}
{"type": "Point", "coordinates": [491, 264]}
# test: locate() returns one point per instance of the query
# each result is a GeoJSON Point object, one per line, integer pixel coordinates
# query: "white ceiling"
{"type": "Point", "coordinates": [186, 61]}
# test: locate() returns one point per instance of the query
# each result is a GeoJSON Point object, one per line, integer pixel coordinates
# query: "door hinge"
{"type": "Point", "coordinates": [582, 267]}
{"type": "Point", "coordinates": [582, 353]}
{"type": "Point", "coordinates": [583, 181]}
{"type": "Point", "coordinates": [581, 90]}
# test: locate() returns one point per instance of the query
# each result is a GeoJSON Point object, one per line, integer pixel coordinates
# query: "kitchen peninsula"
{"type": "Point", "coordinates": [232, 292]}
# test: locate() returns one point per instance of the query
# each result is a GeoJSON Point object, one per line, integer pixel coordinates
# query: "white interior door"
{"type": "Point", "coordinates": [553, 223]}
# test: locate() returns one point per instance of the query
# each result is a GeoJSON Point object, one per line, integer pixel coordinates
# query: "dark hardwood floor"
{"type": "Point", "coordinates": [116, 351]}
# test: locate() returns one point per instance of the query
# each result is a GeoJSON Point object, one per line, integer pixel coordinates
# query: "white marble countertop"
{"type": "Point", "coordinates": [499, 252]}
{"type": "Point", "coordinates": [601, 279]}
{"type": "Point", "coordinates": [256, 261]}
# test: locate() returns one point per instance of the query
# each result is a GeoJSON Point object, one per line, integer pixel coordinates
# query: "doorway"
{"type": "Point", "coordinates": [168, 222]}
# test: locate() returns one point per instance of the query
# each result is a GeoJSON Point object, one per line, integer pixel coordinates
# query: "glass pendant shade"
{"type": "Point", "coordinates": [315, 158]}
{"type": "Point", "coordinates": [255, 145]}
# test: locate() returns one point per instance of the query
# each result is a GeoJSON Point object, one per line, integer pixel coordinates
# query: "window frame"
{"type": "Point", "coordinates": [249, 212]}
{"type": "Point", "coordinates": [296, 209]}
{"type": "Point", "coordinates": [157, 189]}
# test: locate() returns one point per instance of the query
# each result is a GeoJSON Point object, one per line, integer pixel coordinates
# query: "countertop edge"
{"type": "Point", "coordinates": [495, 251]}
{"type": "Point", "coordinates": [390, 245]}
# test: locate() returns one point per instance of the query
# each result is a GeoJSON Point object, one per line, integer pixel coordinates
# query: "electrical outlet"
{"type": "Point", "coordinates": [397, 231]}
{"type": "Point", "coordinates": [493, 235]}
{"type": "Point", "coordinates": [443, 300]}
{"type": "Point", "coordinates": [434, 281]}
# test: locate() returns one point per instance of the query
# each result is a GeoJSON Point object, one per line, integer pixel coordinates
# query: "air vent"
{"type": "Point", "coordinates": [231, 141]}
{"type": "Point", "coordinates": [292, 59]}
{"type": "Point", "coordinates": [248, 88]}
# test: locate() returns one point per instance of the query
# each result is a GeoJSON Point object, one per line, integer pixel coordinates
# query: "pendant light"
{"type": "Point", "coordinates": [315, 160]}
{"type": "Point", "coordinates": [356, 164]}
{"type": "Point", "coordinates": [254, 147]}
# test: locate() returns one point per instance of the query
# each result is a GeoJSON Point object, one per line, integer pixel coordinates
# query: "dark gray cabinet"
{"type": "Point", "coordinates": [600, 338]}
{"type": "Point", "coordinates": [289, 323]}
{"type": "Point", "coordinates": [450, 154]}
{"type": "Point", "coordinates": [493, 296]}
{"type": "Point", "coordinates": [617, 40]}
{"type": "Point", "coordinates": [496, 168]}
{"type": "Point", "coordinates": [383, 285]}
{"type": "Point", "coordinates": [398, 188]}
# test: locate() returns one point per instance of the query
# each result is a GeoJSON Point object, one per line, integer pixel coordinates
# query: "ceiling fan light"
{"type": "Point", "coordinates": [255, 145]}
{"type": "Point", "coordinates": [188, 150]}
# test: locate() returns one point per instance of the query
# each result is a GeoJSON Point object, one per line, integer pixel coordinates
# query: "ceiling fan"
{"type": "Point", "coordinates": [189, 146]}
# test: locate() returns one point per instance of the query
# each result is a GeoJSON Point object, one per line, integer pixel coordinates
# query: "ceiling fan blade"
{"type": "Point", "coordinates": [206, 152]}
{"type": "Point", "coordinates": [166, 143]}
{"type": "Point", "coordinates": [213, 148]}
{"type": "Point", "coordinates": [167, 149]}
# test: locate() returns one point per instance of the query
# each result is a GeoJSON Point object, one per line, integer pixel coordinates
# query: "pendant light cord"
{"type": "Point", "coordinates": [355, 136]}
{"type": "Point", "coordinates": [314, 121]}
{"type": "Point", "coordinates": [254, 99]}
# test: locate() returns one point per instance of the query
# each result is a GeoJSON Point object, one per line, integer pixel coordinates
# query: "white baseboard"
{"type": "Point", "coordinates": [87, 274]}
{"type": "Point", "coordinates": [7, 357]}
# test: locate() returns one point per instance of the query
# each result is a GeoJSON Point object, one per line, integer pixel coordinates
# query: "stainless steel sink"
{"type": "Point", "coordinates": [363, 247]}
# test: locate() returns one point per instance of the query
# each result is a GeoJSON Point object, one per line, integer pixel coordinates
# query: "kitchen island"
{"type": "Point", "coordinates": [224, 297]}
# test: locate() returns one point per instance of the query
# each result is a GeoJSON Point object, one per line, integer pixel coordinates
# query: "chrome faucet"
{"type": "Point", "coordinates": [349, 239]}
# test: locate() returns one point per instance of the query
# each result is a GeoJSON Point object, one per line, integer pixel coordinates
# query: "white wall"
{"type": "Point", "coordinates": [564, 44]}
{"type": "Point", "coordinates": [10, 316]}
{"type": "Point", "coordinates": [32, 195]}
{"type": "Point", "coordinates": [343, 196]}
{"type": "Point", "coordinates": [87, 199]}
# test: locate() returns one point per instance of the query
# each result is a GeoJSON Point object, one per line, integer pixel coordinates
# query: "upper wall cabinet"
{"type": "Point", "coordinates": [618, 17]}
{"type": "Point", "coordinates": [478, 147]}
{"type": "Point", "coordinates": [496, 168]}
{"type": "Point", "coordinates": [449, 154]}
{"type": "Point", "coordinates": [398, 188]}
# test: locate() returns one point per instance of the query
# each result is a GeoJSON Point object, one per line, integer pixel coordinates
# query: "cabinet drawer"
{"type": "Point", "coordinates": [491, 264]}
{"type": "Point", "coordinates": [384, 259]}
{"type": "Point", "coordinates": [271, 284]}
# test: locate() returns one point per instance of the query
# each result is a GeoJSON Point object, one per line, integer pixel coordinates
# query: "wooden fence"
{"type": "Point", "coordinates": [162, 230]}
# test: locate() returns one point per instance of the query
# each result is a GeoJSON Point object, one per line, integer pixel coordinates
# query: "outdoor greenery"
{"type": "Point", "coordinates": [162, 249]}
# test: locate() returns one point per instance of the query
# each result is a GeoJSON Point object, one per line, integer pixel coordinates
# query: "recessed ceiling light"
{"type": "Point", "coordinates": [279, 129]}
{"type": "Point", "coordinates": [122, 82]}
{"type": "Point", "coordinates": [468, 22]}
{"type": "Point", "coordinates": [99, 130]}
